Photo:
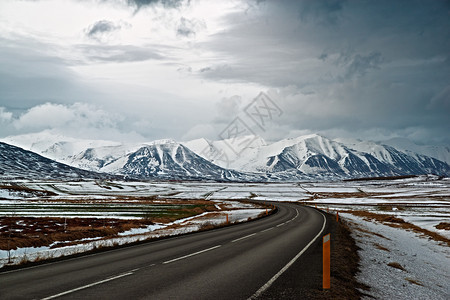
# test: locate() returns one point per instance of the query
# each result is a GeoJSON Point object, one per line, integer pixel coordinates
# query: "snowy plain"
{"type": "Point", "coordinates": [423, 201]}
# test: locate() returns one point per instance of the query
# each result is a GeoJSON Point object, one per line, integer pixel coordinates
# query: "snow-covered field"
{"type": "Point", "coordinates": [119, 200]}
{"type": "Point", "coordinates": [425, 263]}
{"type": "Point", "coordinates": [423, 201]}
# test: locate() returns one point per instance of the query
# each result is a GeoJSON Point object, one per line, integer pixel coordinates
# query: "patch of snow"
{"type": "Point", "coordinates": [145, 229]}
{"type": "Point", "coordinates": [425, 261]}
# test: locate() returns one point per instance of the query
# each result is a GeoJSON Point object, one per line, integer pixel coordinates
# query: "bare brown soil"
{"type": "Point", "coordinates": [148, 200]}
{"type": "Point", "coordinates": [396, 265]}
{"type": "Point", "coordinates": [413, 281]}
{"type": "Point", "coordinates": [395, 222]}
{"type": "Point", "coordinates": [17, 232]}
{"type": "Point", "coordinates": [18, 188]}
{"type": "Point", "coordinates": [381, 247]}
{"type": "Point", "coordinates": [345, 265]}
{"type": "Point", "coordinates": [443, 225]}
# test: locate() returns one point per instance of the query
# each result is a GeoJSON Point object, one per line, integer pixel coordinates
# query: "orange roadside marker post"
{"type": "Point", "coordinates": [227, 218]}
{"type": "Point", "coordinates": [326, 262]}
{"type": "Point", "coordinates": [337, 216]}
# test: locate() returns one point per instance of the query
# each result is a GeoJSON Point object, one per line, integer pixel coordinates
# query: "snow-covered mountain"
{"type": "Point", "coordinates": [317, 156]}
{"type": "Point", "coordinates": [226, 152]}
{"type": "Point", "coordinates": [18, 163]}
{"type": "Point", "coordinates": [164, 159]}
{"type": "Point", "coordinates": [54, 145]}
{"type": "Point", "coordinates": [246, 158]}
{"type": "Point", "coordinates": [439, 152]}
{"type": "Point", "coordinates": [175, 161]}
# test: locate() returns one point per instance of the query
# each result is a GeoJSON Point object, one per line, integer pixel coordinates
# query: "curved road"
{"type": "Point", "coordinates": [236, 262]}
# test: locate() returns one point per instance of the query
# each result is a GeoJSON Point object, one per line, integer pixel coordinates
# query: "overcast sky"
{"type": "Point", "coordinates": [139, 70]}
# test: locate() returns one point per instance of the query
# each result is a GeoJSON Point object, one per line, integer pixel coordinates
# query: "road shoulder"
{"type": "Point", "coordinates": [303, 280]}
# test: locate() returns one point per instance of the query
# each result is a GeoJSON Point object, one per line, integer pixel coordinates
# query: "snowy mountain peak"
{"type": "Point", "coordinates": [162, 141]}
{"type": "Point", "coordinates": [316, 155]}
{"type": "Point", "coordinates": [54, 145]}
{"type": "Point", "coordinates": [246, 158]}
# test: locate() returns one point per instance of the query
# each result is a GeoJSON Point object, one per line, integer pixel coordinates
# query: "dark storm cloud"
{"type": "Point", "coordinates": [29, 77]}
{"type": "Point", "coordinates": [324, 11]}
{"type": "Point", "coordinates": [344, 64]}
{"type": "Point", "coordinates": [282, 37]}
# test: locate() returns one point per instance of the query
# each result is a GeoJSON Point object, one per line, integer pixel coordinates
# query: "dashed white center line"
{"type": "Point", "coordinates": [87, 286]}
{"type": "Point", "coordinates": [267, 229]}
{"type": "Point", "coordinates": [192, 254]}
{"type": "Point", "coordinates": [244, 237]}
{"type": "Point", "coordinates": [280, 224]}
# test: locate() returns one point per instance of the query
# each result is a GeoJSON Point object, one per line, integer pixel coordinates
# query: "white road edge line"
{"type": "Point", "coordinates": [192, 254]}
{"type": "Point", "coordinates": [244, 237]}
{"type": "Point", "coordinates": [87, 286]}
{"type": "Point", "coordinates": [275, 277]}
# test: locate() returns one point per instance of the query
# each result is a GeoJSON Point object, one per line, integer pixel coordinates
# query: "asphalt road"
{"type": "Point", "coordinates": [236, 262]}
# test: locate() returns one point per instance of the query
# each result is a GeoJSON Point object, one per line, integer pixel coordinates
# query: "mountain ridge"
{"type": "Point", "coordinates": [246, 158]}
{"type": "Point", "coordinates": [18, 163]}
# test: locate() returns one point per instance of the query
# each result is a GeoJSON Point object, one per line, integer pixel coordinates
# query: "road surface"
{"type": "Point", "coordinates": [236, 262]}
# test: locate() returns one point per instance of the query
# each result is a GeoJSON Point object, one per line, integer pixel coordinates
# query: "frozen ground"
{"type": "Point", "coordinates": [121, 200]}
{"type": "Point", "coordinates": [236, 215]}
{"type": "Point", "coordinates": [426, 263]}
{"type": "Point", "coordinates": [423, 201]}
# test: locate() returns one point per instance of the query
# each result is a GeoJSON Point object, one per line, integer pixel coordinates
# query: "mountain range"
{"type": "Point", "coordinates": [17, 163]}
{"type": "Point", "coordinates": [246, 158]}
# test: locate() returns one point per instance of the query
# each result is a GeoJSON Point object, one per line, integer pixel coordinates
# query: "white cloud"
{"type": "Point", "coordinates": [45, 116]}
{"type": "Point", "coordinates": [5, 116]}
{"type": "Point", "coordinates": [75, 119]}
{"type": "Point", "coordinates": [201, 131]}
{"type": "Point", "coordinates": [166, 67]}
